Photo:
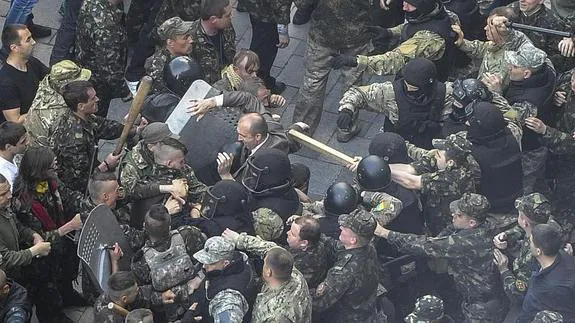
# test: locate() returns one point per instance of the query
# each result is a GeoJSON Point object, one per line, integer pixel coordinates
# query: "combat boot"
{"type": "Point", "coordinates": [38, 31]}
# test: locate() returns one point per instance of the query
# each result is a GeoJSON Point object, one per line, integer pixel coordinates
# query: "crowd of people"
{"type": "Point", "coordinates": [461, 210]}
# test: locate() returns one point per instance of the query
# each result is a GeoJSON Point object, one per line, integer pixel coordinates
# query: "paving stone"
{"type": "Point", "coordinates": [290, 94]}
{"type": "Point", "coordinates": [4, 6]}
{"type": "Point", "coordinates": [284, 54]}
{"type": "Point", "coordinates": [292, 74]}
{"type": "Point", "coordinates": [42, 52]}
{"type": "Point", "coordinates": [322, 174]}
{"type": "Point", "coordinates": [275, 71]}
{"type": "Point", "coordinates": [300, 50]}
{"type": "Point", "coordinates": [46, 13]}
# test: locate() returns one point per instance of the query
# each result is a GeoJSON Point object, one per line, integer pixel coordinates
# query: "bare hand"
{"type": "Point", "coordinates": [292, 218]}
{"type": "Point", "coordinates": [500, 260]}
{"type": "Point", "coordinates": [180, 188]}
{"type": "Point", "coordinates": [384, 4]}
{"type": "Point", "coordinates": [302, 196]}
{"type": "Point", "coordinates": [380, 231]}
{"type": "Point", "coordinates": [168, 297]}
{"type": "Point", "coordinates": [302, 125]}
{"type": "Point", "coordinates": [493, 81]}
{"type": "Point", "coordinates": [225, 161]}
{"type": "Point", "coordinates": [142, 125]}
{"type": "Point", "coordinates": [568, 249]}
{"type": "Point", "coordinates": [37, 238]}
{"type": "Point", "coordinates": [284, 40]}
{"type": "Point", "coordinates": [353, 165]}
{"type": "Point", "coordinates": [276, 117]}
{"type": "Point", "coordinates": [113, 161]}
{"type": "Point", "coordinates": [500, 241]}
{"type": "Point", "coordinates": [201, 107]}
{"type": "Point", "coordinates": [195, 212]}
{"type": "Point", "coordinates": [536, 125]}
{"type": "Point", "coordinates": [117, 253]}
{"type": "Point", "coordinates": [277, 101]}
{"type": "Point", "coordinates": [75, 223]}
{"type": "Point", "coordinates": [231, 235]}
{"type": "Point", "coordinates": [460, 35]}
{"type": "Point", "coordinates": [559, 98]}
{"type": "Point", "coordinates": [41, 249]}
{"type": "Point", "coordinates": [567, 47]}
{"type": "Point", "coordinates": [174, 204]}
{"type": "Point", "coordinates": [193, 308]}
{"type": "Point", "coordinates": [194, 284]}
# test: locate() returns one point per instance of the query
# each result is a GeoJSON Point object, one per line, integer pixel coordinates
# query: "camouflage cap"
{"type": "Point", "coordinates": [453, 142]}
{"type": "Point", "coordinates": [427, 308]}
{"type": "Point", "coordinates": [528, 56]}
{"type": "Point", "coordinates": [156, 132]}
{"type": "Point", "coordinates": [360, 222]}
{"type": "Point", "coordinates": [548, 317]}
{"type": "Point", "coordinates": [471, 204]}
{"type": "Point", "coordinates": [67, 71]}
{"type": "Point", "coordinates": [535, 206]}
{"type": "Point", "coordinates": [216, 248]}
{"type": "Point", "coordinates": [173, 27]}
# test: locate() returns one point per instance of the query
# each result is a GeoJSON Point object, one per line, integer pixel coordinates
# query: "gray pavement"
{"type": "Point", "coordinates": [288, 68]}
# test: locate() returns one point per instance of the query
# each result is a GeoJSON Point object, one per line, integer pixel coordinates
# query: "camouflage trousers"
{"type": "Point", "coordinates": [491, 311]}
{"type": "Point", "coordinates": [317, 63]}
{"type": "Point", "coordinates": [533, 163]}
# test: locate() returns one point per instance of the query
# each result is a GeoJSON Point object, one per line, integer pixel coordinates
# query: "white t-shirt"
{"type": "Point", "coordinates": [8, 170]}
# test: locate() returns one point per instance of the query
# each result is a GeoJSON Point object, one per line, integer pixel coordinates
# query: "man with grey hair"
{"type": "Point", "coordinates": [228, 279]}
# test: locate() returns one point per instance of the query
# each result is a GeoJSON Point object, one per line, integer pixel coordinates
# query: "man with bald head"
{"type": "Point", "coordinates": [14, 303]}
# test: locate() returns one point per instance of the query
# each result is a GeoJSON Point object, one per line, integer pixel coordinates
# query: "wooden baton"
{"type": "Point", "coordinates": [118, 309]}
{"type": "Point", "coordinates": [137, 102]}
{"type": "Point", "coordinates": [320, 147]}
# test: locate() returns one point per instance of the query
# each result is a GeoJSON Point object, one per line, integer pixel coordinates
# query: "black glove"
{"type": "Point", "coordinates": [340, 61]}
{"type": "Point", "coordinates": [378, 33]}
{"type": "Point", "coordinates": [344, 119]}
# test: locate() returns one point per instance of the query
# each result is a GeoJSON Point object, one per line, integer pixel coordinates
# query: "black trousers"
{"type": "Point", "coordinates": [264, 41]}
{"type": "Point", "coordinates": [66, 35]}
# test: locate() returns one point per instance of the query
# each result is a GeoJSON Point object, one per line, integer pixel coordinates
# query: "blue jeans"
{"type": "Point", "coordinates": [19, 11]}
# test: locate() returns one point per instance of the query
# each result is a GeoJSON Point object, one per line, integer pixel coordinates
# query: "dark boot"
{"type": "Point", "coordinates": [278, 88]}
{"type": "Point", "coordinates": [38, 31]}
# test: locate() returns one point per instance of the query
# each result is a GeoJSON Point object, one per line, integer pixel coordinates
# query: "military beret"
{"type": "Point", "coordinates": [471, 204]}
{"type": "Point", "coordinates": [360, 222]}
{"type": "Point", "coordinates": [535, 206]}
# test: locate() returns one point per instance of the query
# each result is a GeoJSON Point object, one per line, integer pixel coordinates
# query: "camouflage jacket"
{"type": "Point", "coordinates": [313, 263]}
{"type": "Point", "coordinates": [268, 225]}
{"type": "Point", "coordinates": [559, 140]}
{"type": "Point", "coordinates": [74, 140]}
{"type": "Point", "coordinates": [338, 24]}
{"type": "Point", "coordinates": [423, 43]}
{"type": "Point", "coordinates": [47, 108]}
{"type": "Point", "coordinates": [101, 43]}
{"type": "Point", "coordinates": [188, 10]}
{"type": "Point", "coordinates": [212, 59]}
{"type": "Point", "coordinates": [155, 69]}
{"type": "Point", "coordinates": [492, 56]}
{"type": "Point", "coordinates": [194, 240]}
{"type": "Point", "coordinates": [384, 207]}
{"type": "Point", "coordinates": [86, 205]}
{"type": "Point", "coordinates": [145, 299]}
{"type": "Point", "coordinates": [564, 13]}
{"type": "Point", "coordinates": [348, 293]}
{"type": "Point", "coordinates": [380, 97]}
{"type": "Point", "coordinates": [272, 11]}
{"type": "Point", "coordinates": [544, 18]}
{"type": "Point", "coordinates": [141, 177]}
{"type": "Point", "coordinates": [516, 280]}
{"type": "Point", "coordinates": [469, 253]}
{"type": "Point", "coordinates": [289, 302]}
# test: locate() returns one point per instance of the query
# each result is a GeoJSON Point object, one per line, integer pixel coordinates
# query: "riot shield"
{"type": "Point", "coordinates": [101, 230]}
{"type": "Point", "coordinates": [204, 138]}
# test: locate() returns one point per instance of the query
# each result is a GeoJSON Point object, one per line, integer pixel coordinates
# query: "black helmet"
{"type": "Point", "coordinates": [470, 90]}
{"type": "Point", "coordinates": [390, 146]}
{"type": "Point", "coordinates": [226, 197]}
{"type": "Point", "coordinates": [180, 73]}
{"type": "Point", "coordinates": [158, 107]}
{"type": "Point", "coordinates": [340, 198]}
{"type": "Point", "coordinates": [267, 171]}
{"type": "Point", "coordinates": [373, 173]}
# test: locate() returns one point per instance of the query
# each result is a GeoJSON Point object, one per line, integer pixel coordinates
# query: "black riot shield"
{"type": "Point", "coordinates": [101, 230]}
{"type": "Point", "coordinates": [204, 138]}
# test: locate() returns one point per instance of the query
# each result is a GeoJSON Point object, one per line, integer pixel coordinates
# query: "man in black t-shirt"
{"type": "Point", "coordinates": [20, 75]}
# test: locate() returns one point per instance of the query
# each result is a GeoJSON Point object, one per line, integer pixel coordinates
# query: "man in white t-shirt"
{"type": "Point", "coordinates": [13, 141]}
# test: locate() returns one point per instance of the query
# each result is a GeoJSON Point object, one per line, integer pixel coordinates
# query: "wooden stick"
{"type": "Point", "coordinates": [137, 102]}
{"type": "Point", "coordinates": [118, 309]}
{"type": "Point", "coordinates": [320, 147]}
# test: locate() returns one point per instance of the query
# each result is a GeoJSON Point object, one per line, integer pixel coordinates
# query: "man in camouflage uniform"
{"type": "Point", "coordinates": [336, 28]}
{"type": "Point", "coordinates": [491, 53]}
{"type": "Point", "coordinates": [441, 176]}
{"type": "Point", "coordinates": [213, 39]}
{"type": "Point", "coordinates": [428, 309]}
{"type": "Point", "coordinates": [284, 297]}
{"type": "Point", "coordinates": [101, 42]}
{"type": "Point", "coordinates": [77, 134]}
{"type": "Point", "coordinates": [174, 33]}
{"type": "Point", "coordinates": [535, 13]}
{"type": "Point", "coordinates": [348, 293]}
{"type": "Point", "coordinates": [533, 209]}
{"type": "Point", "coordinates": [228, 280]}
{"type": "Point", "coordinates": [155, 169]}
{"type": "Point", "coordinates": [548, 317]}
{"type": "Point", "coordinates": [166, 261]}
{"type": "Point", "coordinates": [427, 33]}
{"type": "Point", "coordinates": [269, 20]}
{"type": "Point", "coordinates": [467, 247]}
{"type": "Point", "coordinates": [309, 249]}
{"type": "Point", "coordinates": [48, 105]}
